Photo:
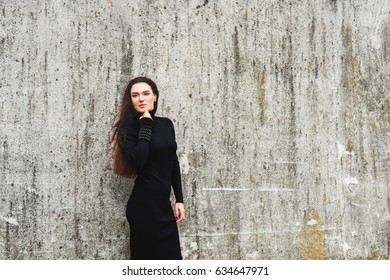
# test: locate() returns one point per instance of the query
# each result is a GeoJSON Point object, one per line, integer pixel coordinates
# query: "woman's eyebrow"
{"type": "Point", "coordinates": [141, 91]}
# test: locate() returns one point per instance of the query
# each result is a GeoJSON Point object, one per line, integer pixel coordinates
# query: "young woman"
{"type": "Point", "coordinates": [145, 148]}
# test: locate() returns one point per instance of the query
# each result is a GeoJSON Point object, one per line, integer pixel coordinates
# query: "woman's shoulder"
{"type": "Point", "coordinates": [167, 124]}
{"type": "Point", "coordinates": [164, 121]}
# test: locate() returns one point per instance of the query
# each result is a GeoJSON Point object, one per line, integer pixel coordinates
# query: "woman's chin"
{"type": "Point", "coordinates": [142, 110]}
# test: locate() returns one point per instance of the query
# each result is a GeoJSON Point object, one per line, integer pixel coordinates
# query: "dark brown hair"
{"type": "Point", "coordinates": [127, 116]}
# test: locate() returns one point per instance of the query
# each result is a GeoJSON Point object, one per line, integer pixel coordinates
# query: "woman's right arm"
{"type": "Point", "coordinates": [135, 146]}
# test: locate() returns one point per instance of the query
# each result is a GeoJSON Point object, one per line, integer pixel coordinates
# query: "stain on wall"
{"type": "Point", "coordinates": [312, 237]}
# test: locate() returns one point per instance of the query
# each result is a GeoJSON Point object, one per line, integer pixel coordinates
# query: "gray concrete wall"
{"type": "Point", "coordinates": [281, 111]}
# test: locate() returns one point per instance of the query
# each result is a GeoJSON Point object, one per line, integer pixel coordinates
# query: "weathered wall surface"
{"type": "Point", "coordinates": [281, 111]}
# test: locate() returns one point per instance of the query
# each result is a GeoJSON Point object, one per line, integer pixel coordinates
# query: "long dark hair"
{"type": "Point", "coordinates": [127, 116]}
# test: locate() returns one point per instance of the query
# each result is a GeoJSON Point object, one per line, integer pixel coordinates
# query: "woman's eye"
{"type": "Point", "coordinates": [134, 95]}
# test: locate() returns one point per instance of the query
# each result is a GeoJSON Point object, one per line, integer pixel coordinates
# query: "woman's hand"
{"type": "Point", "coordinates": [146, 114]}
{"type": "Point", "coordinates": [179, 212]}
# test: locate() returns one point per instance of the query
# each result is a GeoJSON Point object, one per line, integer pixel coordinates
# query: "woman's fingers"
{"type": "Point", "coordinates": [179, 212]}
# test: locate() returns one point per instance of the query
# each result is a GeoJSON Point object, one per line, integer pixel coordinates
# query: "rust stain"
{"type": "Point", "coordinates": [349, 146]}
{"type": "Point", "coordinates": [377, 258]}
{"type": "Point", "coordinates": [260, 94]}
{"type": "Point", "coordinates": [312, 237]}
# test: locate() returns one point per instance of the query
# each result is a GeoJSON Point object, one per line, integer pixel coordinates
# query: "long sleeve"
{"type": "Point", "coordinates": [176, 176]}
{"type": "Point", "coordinates": [135, 146]}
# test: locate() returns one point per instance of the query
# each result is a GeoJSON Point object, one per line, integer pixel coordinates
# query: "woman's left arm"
{"type": "Point", "coordinates": [177, 187]}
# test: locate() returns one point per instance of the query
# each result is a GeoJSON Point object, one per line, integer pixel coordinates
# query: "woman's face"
{"type": "Point", "coordinates": [142, 97]}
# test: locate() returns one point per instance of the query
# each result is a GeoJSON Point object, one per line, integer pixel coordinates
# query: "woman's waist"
{"type": "Point", "coordinates": [153, 180]}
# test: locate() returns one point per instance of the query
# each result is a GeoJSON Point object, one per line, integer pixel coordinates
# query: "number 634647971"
{"type": "Point", "coordinates": [247, 270]}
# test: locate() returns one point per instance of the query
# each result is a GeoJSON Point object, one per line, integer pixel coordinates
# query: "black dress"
{"type": "Point", "coordinates": [150, 148]}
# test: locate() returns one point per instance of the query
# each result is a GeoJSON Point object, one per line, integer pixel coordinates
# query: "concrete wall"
{"type": "Point", "coordinates": [281, 111]}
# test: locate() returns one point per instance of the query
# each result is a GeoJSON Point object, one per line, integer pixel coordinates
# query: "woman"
{"type": "Point", "coordinates": [145, 148]}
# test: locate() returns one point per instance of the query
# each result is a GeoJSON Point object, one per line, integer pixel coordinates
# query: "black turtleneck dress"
{"type": "Point", "coordinates": [150, 148]}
